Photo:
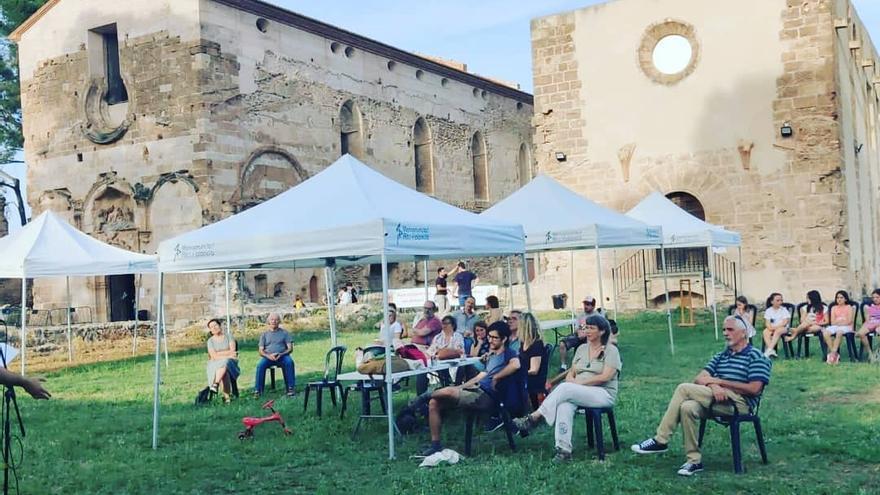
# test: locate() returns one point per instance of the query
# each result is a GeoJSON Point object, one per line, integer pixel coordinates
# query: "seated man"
{"type": "Point", "coordinates": [733, 378]}
{"type": "Point", "coordinates": [572, 342]}
{"type": "Point", "coordinates": [478, 392]}
{"type": "Point", "coordinates": [275, 348]}
{"type": "Point", "coordinates": [427, 327]}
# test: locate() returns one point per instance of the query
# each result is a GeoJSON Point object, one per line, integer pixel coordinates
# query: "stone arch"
{"type": "Point", "coordinates": [688, 202]}
{"type": "Point", "coordinates": [423, 156]}
{"type": "Point", "coordinates": [267, 172]}
{"type": "Point", "coordinates": [524, 164]}
{"type": "Point", "coordinates": [174, 209]}
{"type": "Point", "coordinates": [480, 163]}
{"type": "Point", "coordinates": [351, 130]}
{"type": "Point", "coordinates": [109, 214]}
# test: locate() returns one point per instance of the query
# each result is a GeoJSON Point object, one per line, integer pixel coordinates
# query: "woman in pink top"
{"type": "Point", "coordinates": [841, 318]}
{"type": "Point", "coordinates": [872, 323]}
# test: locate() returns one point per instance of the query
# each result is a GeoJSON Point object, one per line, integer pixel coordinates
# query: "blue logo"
{"type": "Point", "coordinates": [405, 233]}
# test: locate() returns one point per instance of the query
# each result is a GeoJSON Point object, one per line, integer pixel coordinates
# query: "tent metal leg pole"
{"type": "Point", "coordinates": [69, 333]}
{"type": "Point", "coordinates": [714, 295]}
{"type": "Point", "coordinates": [525, 268]}
{"type": "Point", "coordinates": [160, 317]}
{"type": "Point", "coordinates": [510, 283]}
{"type": "Point", "coordinates": [599, 277]}
{"type": "Point", "coordinates": [741, 284]}
{"type": "Point", "coordinates": [331, 301]}
{"type": "Point", "coordinates": [425, 272]}
{"type": "Point", "coordinates": [134, 334]}
{"type": "Point", "coordinates": [572, 298]}
{"type": "Point", "coordinates": [228, 312]}
{"type": "Point", "coordinates": [388, 350]}
{"type": "Point", "coordinates": [614, 281]}
{"type": "Point", "coordinates": [666, 290]}
{"type": "Point", "coordinates": [165, 337]}
{"type": "Point", "coordinates": [23, 320]}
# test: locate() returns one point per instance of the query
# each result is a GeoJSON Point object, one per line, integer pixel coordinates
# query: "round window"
{"type": "Point", "coordinates": [669, 51]}
{"type": "Point", "coordinates": [672, 54]}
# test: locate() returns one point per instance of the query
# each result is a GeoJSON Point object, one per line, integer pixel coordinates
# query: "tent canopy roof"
{"type": "Point", "coordinates": [50, 247]}
{"type": "Point", "coordinates": [555, 217]}
{"type": "Point", "coordinates": [346, 214]}
{"type": "Point", "coordinates": [680, 228]}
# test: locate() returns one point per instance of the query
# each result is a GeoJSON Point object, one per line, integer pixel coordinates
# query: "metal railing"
{"type": "Point", "coordinates": [648, 263]}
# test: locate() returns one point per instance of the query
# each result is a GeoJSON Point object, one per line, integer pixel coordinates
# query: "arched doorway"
{"type": "Point", "coordinates": [480, 164]}
{"type": "Point", "coordinates": [687, 260]}
{"type": "Point", "coordinates": [351, 133]}
{"type": "Point", "coordinates": [524, 165]}
{"type": "Point", "coordinates": [314, 295]}
{"type": "Point", "coordinates": [423, 157]}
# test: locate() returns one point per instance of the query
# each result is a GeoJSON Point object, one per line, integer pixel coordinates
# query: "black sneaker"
{"type": "Point", "coordinates": [690, 469]}
{"type": "Point", "coordinates": [493, 424]}
{"type": "Point", "coordinates": [649, 446]}
{"type": "Point", "coordinates": [561, 456]}
{"type": "Point", "coordinates": [428, 451]}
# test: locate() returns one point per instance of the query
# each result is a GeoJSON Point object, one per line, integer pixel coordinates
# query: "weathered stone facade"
{"type": "Point", "coordinates": [805, 204]}
{"type": "Point", "coordinates": [230, 102]}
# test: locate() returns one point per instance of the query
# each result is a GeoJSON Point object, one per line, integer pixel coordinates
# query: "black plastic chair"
{"type": "Point", "coordinates": [501, 409]}
{"type": "Point", "coordinates": [750, 308]}
{"type": "Point", "coordinates": [329, 379]}
{"type": "Point", "coordinates": [538, 383]}
{"type": "Point", "coordinates": [871, 335]}
{"type": "Point", "coordinates": [803, 340]}
{"type": "Point", "coordinates": [366, 388]}
{"type": "Point", "coordinates": [732, 422]}
{"type": "Point", "coordinates": [787, 347]}
{"type": "Point", "coordinates": [850, 337]}
{"type": "Point", "coordinates": [595, 438]}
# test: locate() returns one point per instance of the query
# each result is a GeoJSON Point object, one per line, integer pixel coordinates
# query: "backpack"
{"type": "Point", "coordinates": [204, 396]}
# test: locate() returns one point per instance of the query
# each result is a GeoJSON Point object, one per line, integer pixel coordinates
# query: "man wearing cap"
{"type": "Point", "coordinates": [427, 327]}
{"type": "Point", "coordinates": [732, 380]}
{"type": "Point", "coordinates": [572, 342]}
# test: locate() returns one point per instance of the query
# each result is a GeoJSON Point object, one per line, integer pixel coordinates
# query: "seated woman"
{"type": "Point", "coordinates": [530, 357]}
{"type": "Point", "coordinates": [590, 382]}
{"type": "Point", "coordinates": [223, 365]}
{"type": "Point", "coordinates": [776, 319]}
{"type": "Point", "coordinates": [813, 320]}
{"type": "Point", "coordinates": [742, 310]}
{"type": "Point", "coordinates": [495, 313]}
{"type": "Point", "coordinates": [842, 316]}
{"type": "Point", "coordinates": [872, 323]}
{"type": "Point", "coordinates": [396, 330]}
{"type": "Point", "coordinates": [481, 340]}
{"type": "Point", "coordinates": [448, 344]}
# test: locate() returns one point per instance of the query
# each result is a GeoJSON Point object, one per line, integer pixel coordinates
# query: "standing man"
{"type": "Point", "coordinates": [733, 378]}
{"type": "Point", "coordinates": [465, 280]}
{"type": "Point", "coordinates": [440, 298]}
{"type": "Point", "coordinates": [275, 348]}
{"type": "Point", "coordinates": [574, 340]}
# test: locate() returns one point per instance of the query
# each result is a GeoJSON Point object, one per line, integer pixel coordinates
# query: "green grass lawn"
{"type": "Point", "coordinates": [822, 426]}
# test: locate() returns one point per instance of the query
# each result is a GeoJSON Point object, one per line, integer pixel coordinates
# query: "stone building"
{"type": "Point", "coordinates": [760, 115]}
{"type": "Point", "coordinates": [147, 118]}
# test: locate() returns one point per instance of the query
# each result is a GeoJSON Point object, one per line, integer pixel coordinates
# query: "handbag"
{"type": "Point", "coordinates": [412, 352]}
{"type": "Point", "coordinates": [377, 366]}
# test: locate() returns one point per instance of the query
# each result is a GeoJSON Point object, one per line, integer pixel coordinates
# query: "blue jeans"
{"type": "Point", "coordinates": [461, 299]}
{"type": "Point", "coordinates": [285, 363]}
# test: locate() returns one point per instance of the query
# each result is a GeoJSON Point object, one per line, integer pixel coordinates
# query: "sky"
{"type": "Point", "coordinates": [491, 36]}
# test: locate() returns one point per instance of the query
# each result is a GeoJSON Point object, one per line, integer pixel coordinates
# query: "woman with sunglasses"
{"type": "Point", "coordinates": [590, 382]}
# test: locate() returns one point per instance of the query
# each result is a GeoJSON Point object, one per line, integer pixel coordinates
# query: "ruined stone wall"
{"type": "Point", "coordinates": [221, 116]}
{"type": "Point", "coordinates": [712, 131]}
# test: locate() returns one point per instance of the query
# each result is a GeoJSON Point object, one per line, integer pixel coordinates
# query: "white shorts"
{"type": "Point", "coordinates": [835, 329]}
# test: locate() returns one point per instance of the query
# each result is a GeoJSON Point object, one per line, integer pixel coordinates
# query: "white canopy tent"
{"type": "Point", "coordinates": [345, 215]}
{"type": "Point", "coordinates": [50, 247]}
{"type": "Point", "coordinates": [681, 230]}
{"type": "Point", "coordinates": [568, 221]}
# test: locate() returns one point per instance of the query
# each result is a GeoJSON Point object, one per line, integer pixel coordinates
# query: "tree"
{"type": "Point", "coordinates": [12, 14]}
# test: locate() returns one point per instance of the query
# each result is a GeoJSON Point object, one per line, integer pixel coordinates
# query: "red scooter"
{"type": "Point", "coordinates": [251, 423]}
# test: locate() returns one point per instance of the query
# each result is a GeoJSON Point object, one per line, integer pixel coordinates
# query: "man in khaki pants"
{"type": "Point", "coordinates": [734, 377]}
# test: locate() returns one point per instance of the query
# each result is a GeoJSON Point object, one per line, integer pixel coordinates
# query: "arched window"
{"type": "Point", "coordinates": [423, 157]}
{"type": "Point", "coordinates": [524, 165]}
{"type": "Point", "coordinates": [479, 159]}
{"type": "Point", "coordinates": [688, 203]}
{"type": "Point", "coordinates": [351, 132]}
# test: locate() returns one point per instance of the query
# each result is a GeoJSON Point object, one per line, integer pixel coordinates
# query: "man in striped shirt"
{"type": "Point", "coordinates": [733, 378]}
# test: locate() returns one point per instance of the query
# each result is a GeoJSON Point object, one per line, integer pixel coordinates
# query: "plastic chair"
{"type": "Point", "coordinates": [366, 388]}
{"type": "Point", "coordinates": [850, 337]}
{"type": "Point", "coordinates": [540, 380]}
{"type": "Point", "coordinates": [593, 417]}
{"type": "Point", "coordinates": [803, 340]}
{"type": "Point", "coordinates": [329, 379]}
{"type": "Point", "coordinates": [787, 347]}
{"type": "Point", "coordinates": [871, 335]}
{"type": "Point", "coordinates": [513, 387]}
{"type": "Point", "coordinates": [749, 307]}
{"type": "Point", "coordinates": [732, 423]}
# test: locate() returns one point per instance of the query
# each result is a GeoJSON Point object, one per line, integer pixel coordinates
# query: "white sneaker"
{"type": "Point", "coordinates": [772, 353]}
